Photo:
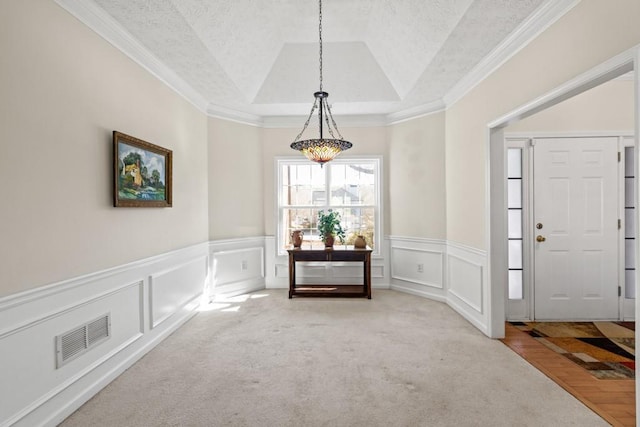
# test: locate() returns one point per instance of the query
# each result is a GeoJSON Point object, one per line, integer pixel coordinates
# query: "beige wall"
{"type": "Point", "coordinates": [417, 191]}
{"type": "Point", "coordinates": [236, 197]}
{"type": "Point", "coordinates": [608, 107]}
{"type": "Point", "coordinates": [276, 142]}
{"type": "Point", "coordinates": [592, 32]}
{"type": "Point", "coordinates": [63, 91]}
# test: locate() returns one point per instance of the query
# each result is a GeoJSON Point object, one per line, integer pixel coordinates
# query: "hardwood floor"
{"type": "Point", "coordinates": [613, 400]}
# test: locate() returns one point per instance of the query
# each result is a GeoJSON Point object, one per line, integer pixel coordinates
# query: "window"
{"type": "Point", "coordinates": [348, 186]}
{"type": "Point", "coordinates": [515, 220]}
{"type": "Point", "coordinates": [629, 224]}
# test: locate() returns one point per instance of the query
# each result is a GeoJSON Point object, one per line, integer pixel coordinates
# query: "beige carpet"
{"type": "Point", "coordinates": [395, 360]}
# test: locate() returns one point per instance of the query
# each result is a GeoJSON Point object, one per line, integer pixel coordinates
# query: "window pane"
{"type": "Point", "coordinates": [629, 253]}
{"type": "Point", "coordinates": [515, 284]}
{"type": "Point", "coordinates": [514, 197]}
{"type": "Point", "coordinates": [628, 161]}
{"type": "Point", "coordinates": [303, 185]}
{"type": "Point", "coordinates": [629, 222]}
{"type": "Point", "coordinates": [358, 221]}
{"type": "Point", "coordinates": [630, 284]}
{"type": "Point", "coordinates": [628, 192]}
{"type": "Point", "coordinates": [514, 163]}
{"type": "Point", "coordinates": [299, 219]}
{"type": "Point", "coordinates": [515, 224]}
{"type": "Point", "coordinates": [515, 253]}
{"type": "Point", "coordinates": [353, 184]}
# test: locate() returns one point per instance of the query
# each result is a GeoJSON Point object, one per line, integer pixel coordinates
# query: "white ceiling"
{"type": "Point", "coordinates": [259, 58]}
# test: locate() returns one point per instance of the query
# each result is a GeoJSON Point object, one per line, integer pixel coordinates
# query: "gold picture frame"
{"type": "Point", "coordinates": [142, 173]}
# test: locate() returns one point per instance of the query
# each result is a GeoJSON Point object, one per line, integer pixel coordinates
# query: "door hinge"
{"type": "Point", "coordinates": [619, 224]}
{"type": "Point", "coordinates": [619, 291]}
{"type": "Point", "coordinates": [619, 156]}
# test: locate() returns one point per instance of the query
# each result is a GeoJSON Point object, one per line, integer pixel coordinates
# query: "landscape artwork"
{"type": "Point", "coordinates": [142, 173]}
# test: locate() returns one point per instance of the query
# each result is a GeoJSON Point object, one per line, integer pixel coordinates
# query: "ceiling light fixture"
{"type": "Point", "coordinates": [321, 150]}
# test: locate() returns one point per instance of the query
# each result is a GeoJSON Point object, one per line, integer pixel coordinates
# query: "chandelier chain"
{"type": "Point", "coordinates": [326, 119]}
{"type": "Point", "coordinates": [320, 38]}
{"type": "Point", "coordinates": [335, 126]}
{"type": "Point", "coordinates": [313, 108]}
{"type": "Point", "coordinates": [323, 149]}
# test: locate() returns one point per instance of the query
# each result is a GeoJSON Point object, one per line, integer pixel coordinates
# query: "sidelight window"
{"type": "Point", "coordinates": [515, 219]}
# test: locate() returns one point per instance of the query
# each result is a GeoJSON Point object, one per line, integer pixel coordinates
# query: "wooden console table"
{"type": "Point", "coordinates": [337, 254]}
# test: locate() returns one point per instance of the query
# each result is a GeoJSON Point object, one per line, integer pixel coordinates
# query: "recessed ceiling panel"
{"type": "Point", "coordinates": [350, 74]}
{"type": "Point", "coordinates": [260, 57]}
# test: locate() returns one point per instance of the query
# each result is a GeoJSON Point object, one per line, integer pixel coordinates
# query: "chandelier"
{"type": "Point", "coordinates": [321, 150]}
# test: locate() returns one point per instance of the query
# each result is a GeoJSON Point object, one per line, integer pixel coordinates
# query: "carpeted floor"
{"type": "Point", "coordinates": [395, 360]}
{"type": "Point", "coordinates": [605, 349]}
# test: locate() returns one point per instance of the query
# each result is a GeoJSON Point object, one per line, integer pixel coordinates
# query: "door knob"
{"type": "Point", "coordinates": [540, 238]}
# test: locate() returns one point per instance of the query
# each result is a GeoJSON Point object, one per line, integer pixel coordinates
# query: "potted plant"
{"type": "Point", "coordinates": [329, 227]}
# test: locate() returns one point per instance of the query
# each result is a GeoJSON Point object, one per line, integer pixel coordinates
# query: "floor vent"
{"type": "Point", "coordinates": [77, 341]}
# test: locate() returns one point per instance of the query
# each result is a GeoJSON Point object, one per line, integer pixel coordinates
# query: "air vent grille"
{"type": "Point", "coordinates": [73, 343]}
{"type": "Point", "coordinates": [97, 330]}
{"type": "Point", "coordinates": [79, 340]}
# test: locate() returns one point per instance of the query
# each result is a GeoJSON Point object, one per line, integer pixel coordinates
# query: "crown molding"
{"type": "Point", "coordinates": [570, 134]}
{"type": "Point", "coordinates": [345, 121]}
{"type": "Point", "coordinates": [545, 16]}
{"type": "Point", "coordinates": [105, 26]}
{"type": "Point", "coordinates": [225, 113]}
{"type": "Point", "coordinates": [416, 112]}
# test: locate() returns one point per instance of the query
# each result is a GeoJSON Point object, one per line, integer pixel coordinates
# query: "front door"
{"type": "Point", "coordinates": [576, 228]}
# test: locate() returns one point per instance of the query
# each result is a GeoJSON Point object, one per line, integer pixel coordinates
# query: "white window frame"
{"type": "Point", "coordinates": [297, 160]}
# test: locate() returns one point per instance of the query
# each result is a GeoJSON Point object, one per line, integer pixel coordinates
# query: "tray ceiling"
{"type": "Point", "coordinates": [259, 58]}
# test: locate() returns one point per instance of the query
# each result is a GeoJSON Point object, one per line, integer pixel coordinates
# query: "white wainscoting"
{"type": "Point", "coordinates": [237, 266]}
{"type": "Point", "coordinates": [467, 282]}
{"type": "Point", "coordinates": [146, 300]}
{"type": "Point", "coordinates": [417, 266]}
{"type": "Point", "coordinates": [317, 272]}
{"type": "Point", "coordinates": [443, 271]}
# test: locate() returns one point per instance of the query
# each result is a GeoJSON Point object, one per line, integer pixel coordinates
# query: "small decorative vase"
{"type": "Point", "coordinates": [296, 238]}
{"type": "Point", "coordinates": [360, 243]}
{"type": "Point", "coordinates": [329, 240]}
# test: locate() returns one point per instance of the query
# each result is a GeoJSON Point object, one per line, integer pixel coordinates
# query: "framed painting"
{"type": "Point", "coordinates": [142, 173]}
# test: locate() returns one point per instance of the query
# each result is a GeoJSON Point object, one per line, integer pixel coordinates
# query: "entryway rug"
{"type": "Point", "coordinates": [605, 349]}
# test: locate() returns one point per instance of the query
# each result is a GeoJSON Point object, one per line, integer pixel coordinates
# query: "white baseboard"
{"type": "Point", "coordinates": [419, 292]}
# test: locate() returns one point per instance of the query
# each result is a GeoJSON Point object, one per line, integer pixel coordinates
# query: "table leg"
{"type": "Point", "coordinates": [367, 274]}
{"type": "Point", "coordinates": [292, 276]}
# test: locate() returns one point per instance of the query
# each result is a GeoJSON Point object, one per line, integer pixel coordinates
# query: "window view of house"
{"type": "Point", "coordinates": [347, 186]}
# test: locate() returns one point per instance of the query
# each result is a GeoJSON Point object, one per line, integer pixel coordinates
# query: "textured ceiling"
{"type": "Point", "coordinates": [260, 57]}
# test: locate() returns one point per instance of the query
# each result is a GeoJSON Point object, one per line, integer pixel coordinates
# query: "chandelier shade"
{"type": "Point", "coordinates": [321, 150]}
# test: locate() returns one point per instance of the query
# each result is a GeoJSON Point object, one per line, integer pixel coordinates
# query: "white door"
{"type": "Point", "coordinates": [576, 228]}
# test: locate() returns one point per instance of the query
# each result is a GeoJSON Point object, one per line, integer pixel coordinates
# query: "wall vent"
{"type": "Point", "coordinates": [79, 340]}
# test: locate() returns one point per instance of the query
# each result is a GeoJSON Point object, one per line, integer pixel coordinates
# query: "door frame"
{"type": "Point", "coordinates": [495, 191]}
{"type": "Point", "coordinates": [524, 309]}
